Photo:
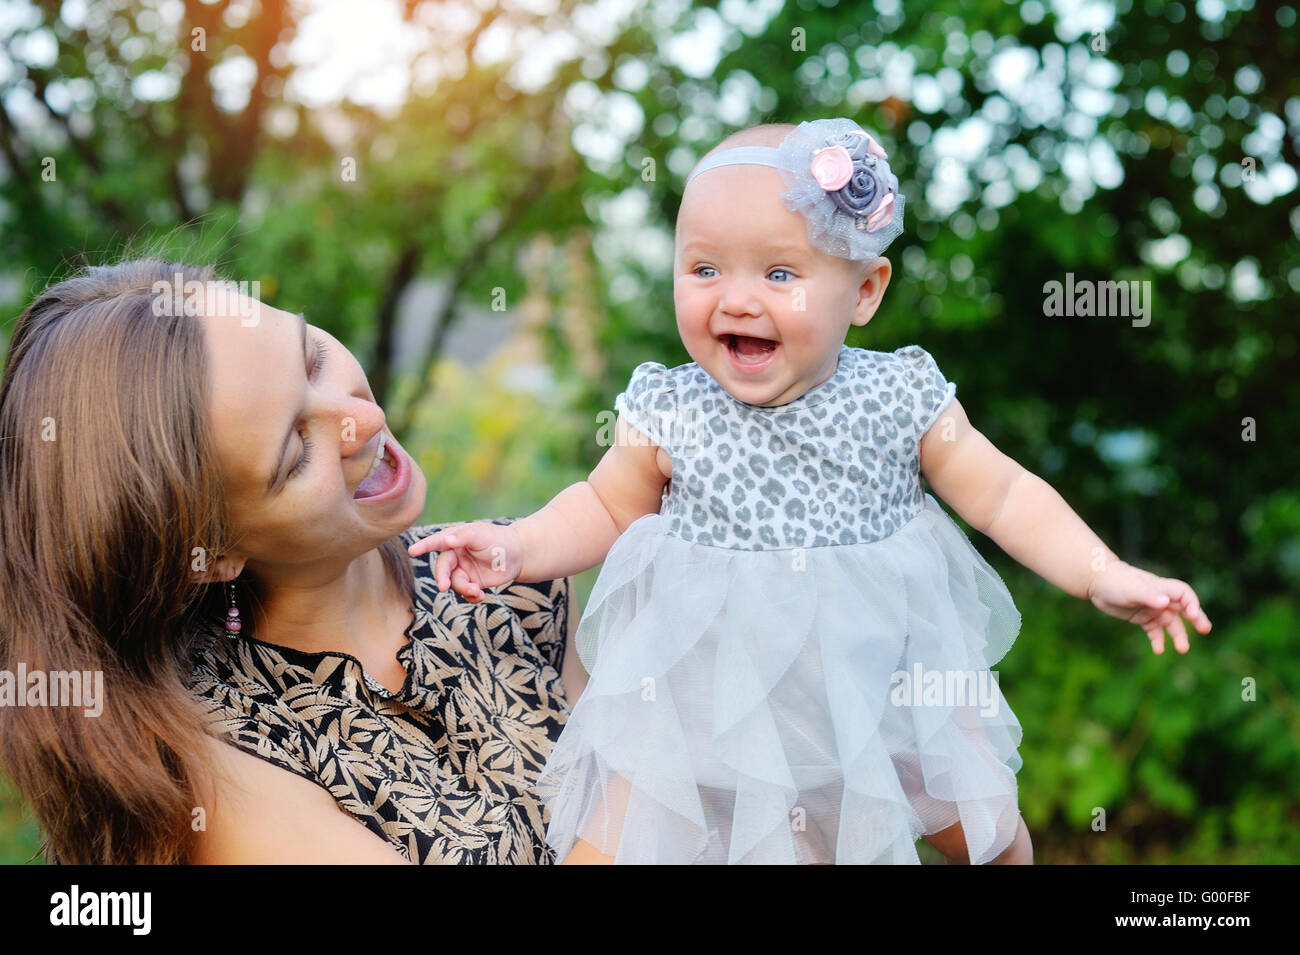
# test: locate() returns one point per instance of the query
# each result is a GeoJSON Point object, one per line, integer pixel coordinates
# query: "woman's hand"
{"type": "Point", "coordinates": [473, 556]}
{"type": "Point", "coordinates": [1151, 602]}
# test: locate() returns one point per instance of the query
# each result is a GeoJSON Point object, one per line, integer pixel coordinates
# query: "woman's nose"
{"type": "Point", "coordinates": [359, 420]}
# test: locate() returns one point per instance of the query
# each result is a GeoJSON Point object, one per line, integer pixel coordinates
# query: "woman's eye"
{"type": "Point", "coordinates": [305, 459]}
{"type": "Point", "coordinates": [317, 358]}
{"type": "Point", "coordinates": [317, 362]}
{"type": "Point", "coordinates": [788, 275]}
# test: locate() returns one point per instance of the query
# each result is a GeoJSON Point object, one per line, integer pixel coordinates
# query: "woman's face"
{"type": "Point", "coordinates": [296, 430]}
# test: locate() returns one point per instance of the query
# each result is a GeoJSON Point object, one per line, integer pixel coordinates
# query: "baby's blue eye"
{"type": "Point", "coordinates": [700, 270]}
{"type": "Point", "coordinates": [786, 272]}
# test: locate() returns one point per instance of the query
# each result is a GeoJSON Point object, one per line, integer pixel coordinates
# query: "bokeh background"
{"type": "Point", "coordinates": [477, 198]}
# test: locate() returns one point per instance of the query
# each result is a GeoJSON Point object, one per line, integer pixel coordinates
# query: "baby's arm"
{"type": "Point", "coordinates": [1030, 521]}
{"type": "Point", "coordinates": [570, 534]}
{"type": "Point", "coordinates": [576, 529]}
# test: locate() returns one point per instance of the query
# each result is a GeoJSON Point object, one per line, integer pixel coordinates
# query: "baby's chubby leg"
{"type": "Point", "coordinates": [609, 818]}
{"type": "Point", "coordinates": [584, 853]}
{"type": "Point", "coordinates": [951, 842]}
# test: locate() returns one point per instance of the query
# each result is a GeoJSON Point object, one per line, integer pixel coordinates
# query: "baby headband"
{"type": "Point", "coordinates": [838, 177]}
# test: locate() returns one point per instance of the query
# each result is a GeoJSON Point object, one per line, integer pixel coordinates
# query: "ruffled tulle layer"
{"type": "Point", "coordinates": [831, 704]}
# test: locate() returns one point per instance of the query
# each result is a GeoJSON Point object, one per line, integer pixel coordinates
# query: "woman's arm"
{"type": "Point", "coordinates": [256, 813]}
{"type": "Point", "coordinates": [1030, 521]}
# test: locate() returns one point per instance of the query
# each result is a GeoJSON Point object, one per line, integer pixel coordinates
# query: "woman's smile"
{"type": "Point", "coordinates": [389, 477]}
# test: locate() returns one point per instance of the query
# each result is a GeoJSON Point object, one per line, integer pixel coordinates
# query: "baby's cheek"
{"type": "Point", "coordinates": [804, 332]}
{"type": "Point", "coordinates": [689, 305]}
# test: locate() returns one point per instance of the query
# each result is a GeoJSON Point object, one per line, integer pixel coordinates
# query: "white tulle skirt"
{"type": "Point", "coordinates": [831, 704]}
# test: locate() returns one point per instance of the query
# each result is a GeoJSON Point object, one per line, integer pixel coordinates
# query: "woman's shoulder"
{"type": "Point", "coordinates": [259, 814]}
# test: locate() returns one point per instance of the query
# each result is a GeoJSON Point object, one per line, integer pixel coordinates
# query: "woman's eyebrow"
{"type": "Point", "coordinates": [275, 479]}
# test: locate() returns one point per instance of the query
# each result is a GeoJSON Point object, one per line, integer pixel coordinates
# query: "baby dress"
{"type": "Point", "coordinates": [789, 662]}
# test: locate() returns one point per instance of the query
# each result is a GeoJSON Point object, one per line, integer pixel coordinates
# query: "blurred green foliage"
{"type": "Point", "coordinates": [1030, 142]}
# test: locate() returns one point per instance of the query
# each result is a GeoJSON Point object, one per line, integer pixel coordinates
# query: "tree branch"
{"type": "Point", "coordinates": [237, 150]}
{"type": "Point", "coordinates": [9, 139]}
{"type": "Point", "coordinates": [446, 315]}
{"type": "Point", "coordinates": [401, 276]}
{"type": "Point", "coordinates": [80, 145]}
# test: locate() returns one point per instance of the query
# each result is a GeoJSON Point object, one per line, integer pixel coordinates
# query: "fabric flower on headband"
{"type": "Point", "coordinates": [838, 178]}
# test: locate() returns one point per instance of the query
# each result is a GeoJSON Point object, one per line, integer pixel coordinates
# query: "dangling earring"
{"type": "Point", "coordinates": [233, 626]}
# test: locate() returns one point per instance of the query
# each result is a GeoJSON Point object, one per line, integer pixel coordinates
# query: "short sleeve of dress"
{"type": "Point", "coordinates": [932, 391]}
{"type": "Point", "coordinates": [650, 403]}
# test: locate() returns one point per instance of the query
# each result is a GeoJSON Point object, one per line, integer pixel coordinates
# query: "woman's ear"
{"type": "Point", "coordinates": [871, 289]}
{"type": "Point", "coordinates": [215, 570]}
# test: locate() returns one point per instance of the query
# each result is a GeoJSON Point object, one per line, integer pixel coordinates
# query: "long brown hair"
{"type": "Point", "coordinates": [108, 483]}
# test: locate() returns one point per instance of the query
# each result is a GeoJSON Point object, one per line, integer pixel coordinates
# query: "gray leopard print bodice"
{"type": "Point", "coordinates": [838, 465]}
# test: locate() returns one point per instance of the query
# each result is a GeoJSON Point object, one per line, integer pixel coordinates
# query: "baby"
{"type": "Point", "coordinates": [773, 572]}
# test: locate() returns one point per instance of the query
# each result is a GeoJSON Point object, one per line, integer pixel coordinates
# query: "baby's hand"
{"type": "Point", "coordinates": [473, 556]}
{"type": "Point", "coordinates": [1151, 602]}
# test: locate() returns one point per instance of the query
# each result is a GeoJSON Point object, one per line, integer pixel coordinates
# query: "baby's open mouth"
{"type": "Point", "coordinates": [748, 349]}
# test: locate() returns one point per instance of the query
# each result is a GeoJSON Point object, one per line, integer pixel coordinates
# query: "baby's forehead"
{"type": "Point", "coordinates": [723, 193]}
{"type": "Point", "coordinates": [747, 182]}
{"type": "Point", "coordinates": [770, 135]}
{"type": "Point", "coordinates": [723, 238]}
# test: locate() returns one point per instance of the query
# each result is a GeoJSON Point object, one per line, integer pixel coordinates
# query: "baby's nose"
{"type": "Point", "coordinates": [738, 297]}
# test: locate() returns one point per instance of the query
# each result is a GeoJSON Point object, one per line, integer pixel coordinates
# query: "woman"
{"type": "Point", "coordinates": [187, 505]}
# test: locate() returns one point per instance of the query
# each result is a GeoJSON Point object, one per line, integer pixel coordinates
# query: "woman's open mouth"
{"type": "Point", "coordinates": [748, 353]}
{"type": "Point", "coordinates": [389, 476]}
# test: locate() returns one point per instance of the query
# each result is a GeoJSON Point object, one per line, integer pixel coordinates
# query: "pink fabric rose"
{"type": "Point", "coordinates": [832, 167]}
{"type": "Point", "coordinates": [883, 215]}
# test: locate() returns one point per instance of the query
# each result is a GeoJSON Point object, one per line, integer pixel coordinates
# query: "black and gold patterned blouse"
{"type": "Point", "coordinates": [443, 770]}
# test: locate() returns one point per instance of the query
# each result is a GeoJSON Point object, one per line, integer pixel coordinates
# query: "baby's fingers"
{"type": "Point", "coordinates": [426, 544]}
{"type": "Point", "coordinates": [1179, 633]}
{"type": "Point", "coordinates": [1156, 634]}
{"type": "Point", "coordinates": [443, 568]}
{"type": "Point", "coordinates": [1155, 599]}
{"type": "Point", "coordinates": [435, 541]}
{"type": "Point", "coordinates": [1172, 620]}
{"type": "Point", "coordinates": [461, 581]}
{"type": "Point", "coordinates": [1185, 597]}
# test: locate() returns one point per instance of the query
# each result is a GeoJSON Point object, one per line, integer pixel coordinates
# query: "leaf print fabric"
{"type": "Point", "coordinates": [445, 769]}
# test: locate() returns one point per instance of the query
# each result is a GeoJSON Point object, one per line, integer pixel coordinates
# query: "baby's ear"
{"type": "Point", "coordinates": [873, 279]}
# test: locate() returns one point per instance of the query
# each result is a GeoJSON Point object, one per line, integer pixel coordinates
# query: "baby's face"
{"type": "Point", "coordinates": [758, 307]}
